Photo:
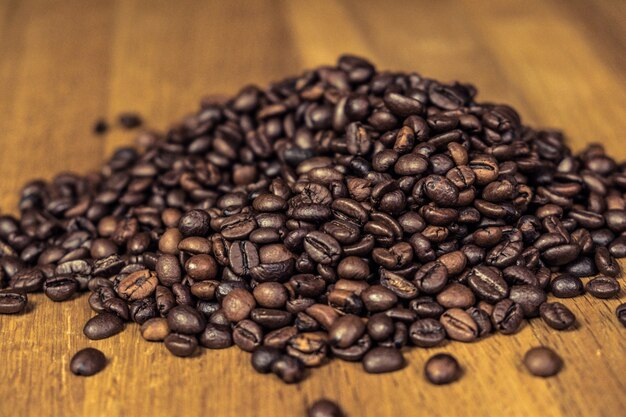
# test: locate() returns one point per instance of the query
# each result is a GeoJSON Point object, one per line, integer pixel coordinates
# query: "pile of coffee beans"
{"type": "Point", "coordinates": [342, 214]}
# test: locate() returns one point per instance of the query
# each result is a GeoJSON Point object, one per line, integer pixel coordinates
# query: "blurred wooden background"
{"type": "Point", "coordinates": [65, 63]}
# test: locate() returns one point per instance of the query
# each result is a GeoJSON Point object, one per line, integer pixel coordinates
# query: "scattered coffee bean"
{"type": "Point", "coordinates": [442, 369]}
{"type": "Point", "coordinates": [324, 408]}
{"type": "Point", "coordinates": [87, 362]}
{"type": "Point", "coordinates": [12, 302]}
{"type": "Point", "coordinates": [542, 361]}
{"type": "Point", "coordinates": [102, 326]}
{"type": "Point", "coordinates": [557, 316]}
{"type": "Point", "coordinates": [603, 287]}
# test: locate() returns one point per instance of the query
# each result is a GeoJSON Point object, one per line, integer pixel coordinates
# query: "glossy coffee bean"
{"type": "Point", "coordinates": [382, 360]}
{"type": "Point", "coordinates": [87, 362]}
{"type": "Point", "coordinates": [442, 369]}
{"type": "Point", "coordinates": [102, 326]}
{"type": "Point", "coordinates": [543, 362]}
{"type": "Point", "coordinates": [557, 315]}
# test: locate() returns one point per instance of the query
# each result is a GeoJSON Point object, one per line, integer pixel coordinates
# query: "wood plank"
{"type": "Point", "coordinates": [65, 63]}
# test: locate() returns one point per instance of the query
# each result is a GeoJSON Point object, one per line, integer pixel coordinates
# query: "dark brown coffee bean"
{"type": "Point", "coordinates": [382, 360]}
{"type": "Point", "coordinates": [482, 319]}
{"type": "Point", "coordinates": [186, 320]}
{"type": "Point", "coordinates": [378, 298]}
{"type": "Point", "coordinates": [60, 288]}
{"type": "Point", "coordinates": [102, 326]}
{"type": "Point", "coordinates": [181, 345]}
{"type": "Point", "coordinates": [201, 267]}
{"type": "Point", "coordinates": [507, 316]}
{"type": "Point", "coordinates": [322, 248]}
{"type": "Point", "coordinates": [606, 263]}
{"type": "Point", "coordinates": [247, 335]}
{"type": "Point", "coordinates": [87, 362]}
{"type": "Point", "coordinates": [529, 297]}
{"type": "Point", "coordinates": [155, 329]}
{"type": "Point", "coordinates": [566, 286]}
{"type": "Point", "coordinates": [427, 332]}
{"type": "Point", "coordinates": [137, 285]}
{"type": "Point", "coordinates": [310, 348]}
{"type": "Point", "coordinates": [289, 369]}
{"type": "Point", "coordinates": [324, 407]}
{"type": "Point", "coordinates": [603, 287]}
{"type": "Point", "coordinates": [620, 312]}
{"type": "Point", "coordinates": [442, 369]}
{"type": "Point", "coordinates": [216, 336]}
{"type": "Point", "coordinates": [456, 295]}
{"type": "Point", "coordinates": [12, 302]}
{"type": "Point", "coordinates": [459, 325]}
{"type": "Point", "coordinates": [488, 283]}
{"type": "Point", "coordinates": [346, 331]}
{"type": "Point", "coordinates": [557, 316]}
{"type": "Point", "coordinates": [543, 362]}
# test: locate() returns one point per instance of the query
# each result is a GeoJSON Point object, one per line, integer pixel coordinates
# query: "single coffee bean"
{"type": "Point", "coordinates": [557, 315]}
{"type": "Point", "coordinates": [456, 295]}
{"type": "Point", "coordinates": [216, 336]}
{"type": "Point", "coordinates": [507, 316]}
{"type": "Point", "coordinates": [102, 326]}
{"type": "Point", "coordinates": [427, 333]}
{"type": "Point", "coordinates": [482, 319]}
{"type": "Point", "coordinates": [459, 325]}
{"type": "Point", "coordinates": [137, 285]}
{"type": "Point", "coordinates": [382, 360]}
{"type": "Point", "coordinates": [603, 287]}
{"type": "Point", "coordinates": [487, 282]}
{"type": "Point", "coordinates": [87, 362]}
{"type": "Point", "coordinates": [529, 297]}
{"type": "Point", "coordinates": [442, 369]}
{"type": "Point", "coordinates": [543, 362]}
{"type": "Point", "coordinates": [60, 288]}
{"type": "Point", "coordinates": [289, 369]}
{"type": "Point", "coordinates": [263, 358]}
{"type": "Point", "coordinates": [322, 248]}
{"type": "Point", "coordinates": [324, 407]}
{"type": "Point", "coordinates": [12, 302]}
{"type": "Point", "coordinates": [194, 223]}
{"type": "Point", "coordinates": [238, 304]}
{"type": "Point", "coordinates": [380, 327]}
{"type": "Point", "coordinates": [345, 331]}
{"type": "Point", "coordinates": [181, 345]}
{"type": "Point", "coordinates": [185, 320]}
{"type": "Point", "coordinates": [155, 329]}
{"type": "Point", "coordinates": [566, 286]}
{"type": "Point", "coordinates": [606, 263]}
{"type": "Point", "coordinates": [247, 335]}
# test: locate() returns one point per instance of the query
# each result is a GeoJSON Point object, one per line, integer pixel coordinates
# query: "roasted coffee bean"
{"type": "Point", "coordinates": [482, 319]}
{"type": "Point", "coordinates": [427, 333]}
{"type": "Point", "coordinates": [28, 280]}
{"type": "Point", "coordinates": [181, 345]}
{"type": "Point", "coordinates": [216, 336]}
{"type": "Point", "coordinates": [488, 283]}
{"type": "Point", "coordinates": [459, 325]}
{"type": "Point", "coordinates": [87, 362]}
{"type": "Point", "coordinates": [603, 287]}
{"type": "Point", "coordinates": [168, 270]}
{"type": "Point", "coordinates": [60, 288]}
{"type": "Point", "coordinates": [263, 358]}
{"type": "Point", "coordinates": [529, 297]}
{"type": "Point", "coordinates": [324, 407]}
{"type": "Point", "coordinates": [382, 360]}
{"type": "Point", "coordinates": [322, 248]}
{"type": "Point", "coordinates": [426, 307]}
{"type": "Point", "coordinates": [201, 267]}
{"type": "Point", "coordinates": [12, 301]}
{"type": "Point", "coordinates": [194, 223]}
{"type": "Point", "coordinates": [543, 362]}
{"type": "Point", "coordinates": [186, 320]}
{"type": "Point", "coordinates": [378, 298]}
{"type": "Point", "coordinates": [380, 327]}
{"type": "Point", "coordinates": [566, 286]}
{"type": "Point", "coordinates": [606, 263]}
{"type": "Point", "coordinates": [247, 335]}
{"type": "Point", "coordinates": [310, 348]}
{"type": "Point", "coordinates": [456, 295]}
{"type": "Point", "coordinates": [507, 316]}
{"type": "Point", "coordinates": [238, 304]}
{"type": "Point", "coordinates": [557, 315]}
{"type": "Point", "coordinates": [289, 369]}
{"type": "Point", "coordinates": [137, 285]}
{"type": "Point", "coordinates": [155, 329]}
{"type": "Point", "coordinates": [431, 278]}
{"type": "Point", "coordinates": [345, 331]}
{"type": "Point", "coordinates": [102, 326]}
{"type": "Point", "coordinates": [442, 369]}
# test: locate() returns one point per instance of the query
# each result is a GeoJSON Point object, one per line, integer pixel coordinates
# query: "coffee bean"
{"type": "Point", "coordinates": [507, 316]}
{"type": "Point", "coordinates": [12, 302]}
{"type": "Point", "coordinates": [216, 336]}
{"type": "Point", "coordinates": [155, 329]}
{"type": "Point", "coordinates": [382, 360]}
{"type": "Point", "coordinates": [322, 248]}
{"type": "Point", "coordinates": [488, 283]}
{"type": "Point", "coordinates": [238, 304]}
{"type": "Point", "coordinates": [557, 315]}
{"type": "Point", "coordinates": [456, 295]}
{"type": "Point", "coordinates": [181, 345]}
{"type": "Point", "coordinates": [378, 298]}
{"type": "Point", "coordinates": [345, 331]}
{"type": "Point", "coordinates": [459, 325]}
{"type": "Point", "coordinates": [87, 362]}
{"type": "Point", "coordinates": [603, 287]}
{"type": "Point", "coordinates": [310, 348]}
{"type": "Point", "coordinates": [324, 407]}
{"type": "Point", "coordinates": [247, 335]}
{"type": "Point", "coordinates": [427, 332]}
{"type": "Point", "coordinates": [201, 267]}
{"type": "Point", "coordinates": [606, 263]}
{"type": "Point", "coordinates": [263, 358]}
{"type": "Point", "coordinates": [185, 319]}
{"type": "Point", "coordinates": [137, 285]}
{"type": "Point", "coordinates": [566, 286]}
{"type": "Point", "coordinates": [529, 297]}
{"type": "Point", "coordinates": [289, 369]}
{"type": "Point", "coordinates": [543, 362]}
{"type": "Point", "coordinates": [60, 288]}
{"type": "Point", "coordinates": [442, 369]}
{"type": "Point", "coordinates": [102, 326]}
{"type": "Point", "coordinates": [194, 223]}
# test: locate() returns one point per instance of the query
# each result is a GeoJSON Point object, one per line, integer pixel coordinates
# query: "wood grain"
{"type": "Point", "coordinates": [65, 63]}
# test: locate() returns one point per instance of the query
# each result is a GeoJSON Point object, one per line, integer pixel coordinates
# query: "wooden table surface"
{"type": "Point", "coordinates": [65, 63]}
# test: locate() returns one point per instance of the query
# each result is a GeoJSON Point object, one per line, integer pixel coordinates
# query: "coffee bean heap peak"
{"type": "Point", "coordinates": [345, 213]}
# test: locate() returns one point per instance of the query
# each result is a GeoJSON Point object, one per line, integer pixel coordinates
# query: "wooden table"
{"type": "Point", "coordinates": [63, 64]}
